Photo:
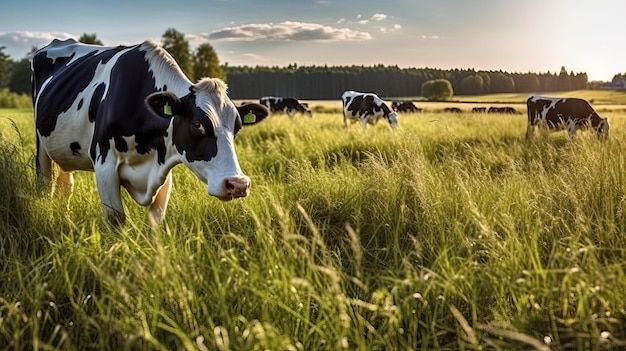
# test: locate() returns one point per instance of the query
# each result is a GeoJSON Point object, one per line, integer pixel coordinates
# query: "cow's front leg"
{"type": "Point", "coordinates": [363, 118]}
{"type": "Point", "coordinates": [108, 184]}
{"type": "Point", "coordinates": [43, 167]}
{"type": "Point", "coordinates": [157, 208]}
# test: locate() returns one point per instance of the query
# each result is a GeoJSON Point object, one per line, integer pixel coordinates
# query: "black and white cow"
{"type": "Point", "coordinates": [405, 106]}
{"type": "Point", "coordinates": [290, 106]}
{"type": "Point", "coordinates": [130, 114]}
{"type": "Point", "coordinates": [367, 108]}
{"type": "Point", "coordinates": [571, 114]}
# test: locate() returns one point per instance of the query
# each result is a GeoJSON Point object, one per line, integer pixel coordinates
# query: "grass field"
{"type": "Point", "coordinates": [450, 233]}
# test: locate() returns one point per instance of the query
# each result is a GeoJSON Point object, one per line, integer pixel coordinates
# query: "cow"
{"type": "Point", "coordinates": [290, 106]}
{"type": "Point", "coordinates": [367, 108]}
{"type": "Point", "coordinates": [479, 109]}
{"type": "Point", "coordinates": [405, 106]}
{"type": "Point", "coordinates": [571, 114]}
{"type": "Point", "coordinates": [129, 114]}
{"type": "Point", "coordinates": [503, 109]}
{"type": "Point", "coordinates": [452, 110]}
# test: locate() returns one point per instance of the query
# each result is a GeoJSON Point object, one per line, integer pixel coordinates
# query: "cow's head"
{"type": "Point", "coordinates": [393, 119]}
{"type": "Point", "coordinates": [203, 127]}
{"type": "Point", "coordinates": [601, 125]}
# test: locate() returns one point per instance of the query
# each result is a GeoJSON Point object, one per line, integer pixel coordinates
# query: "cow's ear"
{"type": "Point", "coordinates": [252, 113]}
{"type": "Point", "coordinates": [164, 103]}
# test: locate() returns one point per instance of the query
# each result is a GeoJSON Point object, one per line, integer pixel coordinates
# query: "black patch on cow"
{"type": "Point", "coordinates": [123, 112]}
{"type": "Point", "coordinates": [80, 104]}
{"type": "Point", "coordinates": [75, 147]}
{"type": "Point", "coordinates": [67, 81]}
{"type": "Point", "coordinates": [186, 135]}
{"type": "Point", "coordinates": [94, 104]}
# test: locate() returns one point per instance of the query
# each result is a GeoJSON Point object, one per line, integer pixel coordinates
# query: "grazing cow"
{"type": "Point", "coordinates": [129, 114]}
{"type": "Point", "coordinates": [505, 109]}
{"type": "Point", "coordinates": [290, 106]}
{"type": "Point", "coordinates": [479, 109]}
{"type": "Point", "coordinates": [405, 107]}
{"type": "Point", "coordinates": [452, 110]}
{"type": "Point", "coordinates": [367, 108]}
{"type": "Point", "coordinates": [571, 114]}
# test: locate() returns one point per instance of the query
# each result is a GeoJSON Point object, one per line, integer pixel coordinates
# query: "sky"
{"type": "Point", "coordinates": [511, 35]}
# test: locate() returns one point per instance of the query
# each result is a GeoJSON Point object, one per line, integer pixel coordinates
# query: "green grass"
{"type": "Point", "coordinates": [450, 233]}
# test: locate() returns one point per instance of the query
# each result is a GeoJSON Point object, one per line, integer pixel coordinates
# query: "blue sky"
{"type": "Point", "coordinates": [510, 35]}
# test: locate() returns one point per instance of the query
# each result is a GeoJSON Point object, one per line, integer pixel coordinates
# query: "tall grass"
{"type": "Point", "coordinates": [450, 233]}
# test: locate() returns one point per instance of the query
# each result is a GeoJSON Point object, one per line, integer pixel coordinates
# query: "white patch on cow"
{"type": "Point", "coordinates": [165, 70]}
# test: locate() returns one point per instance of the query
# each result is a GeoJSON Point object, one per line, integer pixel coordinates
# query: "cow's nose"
{"type": "Point", "coordinates": [237, 186]}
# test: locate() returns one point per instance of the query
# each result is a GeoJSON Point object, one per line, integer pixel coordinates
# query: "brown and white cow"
{"type": "Point", "coordinates": [553, 114]}
{"type": "Point", "coordinates": [129, 114]}
{"type": "Point", "coordinates": [367, 108]}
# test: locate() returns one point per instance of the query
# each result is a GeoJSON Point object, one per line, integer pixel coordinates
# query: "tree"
{"type": "Point", "coordinates": [437, 90]}
{"type": "Point", "coordinates": [19, 82]}
{"type": "Point", "coordinates": [90, 39]}
{"type": "Point", "coordinates": [563, 80]}
{"type": "Point", "coordinates": [175, 43]}
{"type": "Point", "coordinates": [5, 68]}
{"type": "Point", "coordinates": [206, 63]}
{"type": "Point", "coordinates": [472, 84]}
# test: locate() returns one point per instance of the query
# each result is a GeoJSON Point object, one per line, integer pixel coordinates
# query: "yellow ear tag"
{"type": "Point", "coordinates": [167, 109]}
{"type": "Point", "coordinates": [249, 117]}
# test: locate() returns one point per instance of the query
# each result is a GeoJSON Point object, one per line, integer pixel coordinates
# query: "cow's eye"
{"type": "Point", "coordinates": [198, 127]}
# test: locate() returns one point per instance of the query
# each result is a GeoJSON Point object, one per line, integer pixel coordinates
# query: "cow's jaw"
{"type": "Point", "coordinates": [222, 173]}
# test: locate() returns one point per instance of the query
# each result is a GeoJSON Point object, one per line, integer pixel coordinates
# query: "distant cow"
{"type": "Point", "coordinates": [290, 106]}
{"type": "Point", "coordinates": [571, 114]}
{"type": "Point", "coordinates": [129, 114]}
{"type": "Point", "coordinates": [405, 107]}
{"type": "Point", "coordinates": [504, 109]}
{"type": "Point", "coordinates": [452, 110]}
{"type": "Point", "coordinates": [367, 108]}
{"type": "Point", "coordinates": [479, 109]}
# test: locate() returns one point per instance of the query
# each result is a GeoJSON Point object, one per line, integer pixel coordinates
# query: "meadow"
{"type": "Point", "coordinates": [451, 232]}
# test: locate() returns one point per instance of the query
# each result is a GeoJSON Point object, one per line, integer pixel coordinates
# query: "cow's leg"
{"type": "Point", "coordinates": [363, 119]}
{"type": "Point", "coordinates": [157, 208]}
{"type": "Point", "coordinates": [530, 131]}
{"type": "Point", "coordinates": [65, 183]}
{"type": "Point", "coordinates": [43, 167]}
{"type": "Point", "coordinates": [346, 121]}
{"type": "Point", "coordinates": [108, 184]}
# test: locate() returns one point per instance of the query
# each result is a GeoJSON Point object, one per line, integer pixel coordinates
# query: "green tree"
{"type": "Point", "coordinates": [206, 63]}
{"type": "Point", "coordinates": [175, 43]}
{"type": "Point", "coordinates": [90, 39]}
{"type": "Point", "coordinates": [472, 84]}
{"type": "Point", "coordinates": [19, 82]}
{"type": "Point", "coordinates": [5, 68]}
{"type": "Point", "coordinates": [437, 90]}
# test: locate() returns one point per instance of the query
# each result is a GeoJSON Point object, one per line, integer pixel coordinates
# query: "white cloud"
{"type": "Point", "coordinates": [18, 44]}
{"type": "Point", "coordinates": [288, 30]}
{"type": "Point", "coordinates": [378, 17]}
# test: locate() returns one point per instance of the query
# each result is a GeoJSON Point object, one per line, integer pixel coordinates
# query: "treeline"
{"type": "Point", "coordinates": [316, 82]}
{"type": "Point", "coordinates": [328, 82]}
